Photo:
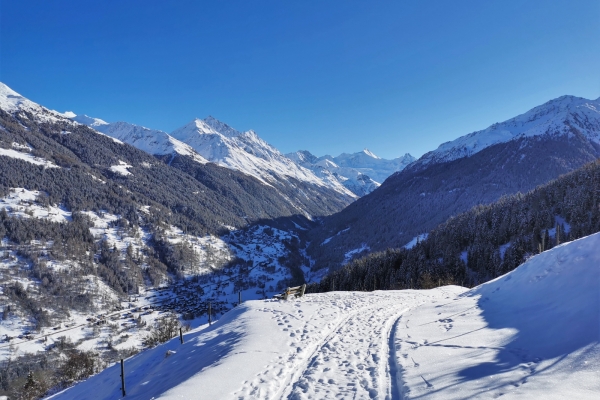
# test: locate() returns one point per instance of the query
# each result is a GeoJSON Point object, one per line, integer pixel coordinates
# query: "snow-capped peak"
{"type": "Point", "coordinates": [370, 154]}
{"type": "Point", "coordinates": [246, 152]}
{"type": "Point", "coordinates": [302, 156]}
{"type": "Point", "coordinates": [555, 117]}
{"type": "Point", "coordinates": [361, 172]}
{"type": "Point", "coordinates": [12, 102]}
{"type": "Point", "coordinates": [221, 127]}
{"type": "Point", "coordinates": [95, 123]}
{"type": "Point", "coordinates": [151, 141]}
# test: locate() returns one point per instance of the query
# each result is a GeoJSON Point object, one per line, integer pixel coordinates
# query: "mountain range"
{"type": "Point", "coordinates": [210, 140]}
{"type": "Point", "coordinates": [360, 172]}
{"type": "Point", "coordinates": [508, 157]}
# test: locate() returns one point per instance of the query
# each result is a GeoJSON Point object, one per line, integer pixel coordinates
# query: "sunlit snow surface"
{"type": "Point", "coordinates": [533, 333]}
{"type": "Point", "coordinates": [121, 168]}
{"type": "Point", "coordinates": [22, 203]}
{"type": "Point", "coordinates": [556, 117]}
{"type": "Point", "coordinates": [30, 158]}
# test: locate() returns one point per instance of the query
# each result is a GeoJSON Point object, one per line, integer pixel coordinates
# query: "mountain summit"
{"type": "Point", "coordinates": [557, 117]}
{"type": "Point", "coordinates": [246, 152]}
{"type": "Point", "coordinates": [360, 172]}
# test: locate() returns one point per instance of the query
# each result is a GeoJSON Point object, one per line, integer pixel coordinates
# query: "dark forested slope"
{"type": "Point", "coordinates": [417, 199]}
{"type": "Point", "coordinates": [484, 242]}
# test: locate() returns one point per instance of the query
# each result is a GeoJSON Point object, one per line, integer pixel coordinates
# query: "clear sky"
{"type": "Point", "coordinates": [326, 76]}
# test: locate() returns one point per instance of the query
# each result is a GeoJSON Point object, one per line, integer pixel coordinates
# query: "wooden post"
{"type": "Point", "coordinates": [123, 378]}
{"type": "Point", "coordinates": [181, 335]}
{"type": "Point", "coordinates": [302, 290]}
{"type": "Point", "coordinates": [209, 314]}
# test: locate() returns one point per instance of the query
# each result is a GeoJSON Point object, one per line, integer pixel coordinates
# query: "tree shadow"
{"type": "Point", "coordinates": [552, 302]}
{"type": "Point", "coordinates": [153, 372]}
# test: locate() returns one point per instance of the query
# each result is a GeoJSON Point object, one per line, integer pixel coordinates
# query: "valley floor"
{"type": "Point", "coordinates": [533, 333]}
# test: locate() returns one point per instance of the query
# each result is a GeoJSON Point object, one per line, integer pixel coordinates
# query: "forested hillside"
{"type": "Point", "coordinates": [89, 224]}
{"type": "Point", "coordinates": [509, 157]}
{"type": "Point", "coordinates": [485, 242]}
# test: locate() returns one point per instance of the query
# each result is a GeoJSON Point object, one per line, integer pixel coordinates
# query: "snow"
{"type": "Point", "coordinates": [23, 203]}
{"type": "Point", "coordinates": [337, 234]}
{"type": "Point", "coordinates": [502, 249]}
{"type": "Point", "coordinates": [246, 152]}
{"type": "Point", "coordinates": [416, 240]}
{"type": "Point", "coordinates": [13, 102]}
{"type": "Point", "coordinates": [352, 253]}
{"type": "Point", "coordinates": [121, 168]}
{"type": "Point", "coordinates": [151, 141]}
{"type": "Point", "coordinates": [30, 158]}
{"type": "Point", "coordinates": [95, 123]}
{"type": "Point", "coordinates": [532, 333]}
{"type": "Point", "coordinates": [360, 172]}
{"type": "Point", "coordinates": [556, 117]}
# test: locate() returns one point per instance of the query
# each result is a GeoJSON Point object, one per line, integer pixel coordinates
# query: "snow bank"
{"type": "Point", "coordinates": [532, 333]}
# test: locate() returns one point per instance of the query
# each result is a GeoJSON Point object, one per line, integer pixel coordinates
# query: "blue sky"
{"type": "Point", "coordinates": [326, 76]}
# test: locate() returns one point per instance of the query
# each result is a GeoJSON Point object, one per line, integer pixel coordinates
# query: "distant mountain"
{"type": "Point", "coordinates": [561, 116]}
{"type": "Point", "coordinates": [210, 140]}
{"type": "Point", "coordinates": [514, 156]}
{"type": "Point", "coordinates": [360, 172]}
{"type": "Point", "coordinates": [246, 152]}
{"type": "Point", "coordinates": [151, 141]}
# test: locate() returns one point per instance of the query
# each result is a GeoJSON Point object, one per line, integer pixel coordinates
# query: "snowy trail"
{"type": "Point", "coordinates": [347, 355]}
{"type": "Point", "coordinates": [345, 362]}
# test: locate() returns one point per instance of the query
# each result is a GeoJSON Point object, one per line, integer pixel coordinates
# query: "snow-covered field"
{"type": "Point", "coordinates": [533, 333]}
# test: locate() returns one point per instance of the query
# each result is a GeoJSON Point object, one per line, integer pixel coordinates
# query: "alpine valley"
{"type": "Point", "coordinates": [116, 238]}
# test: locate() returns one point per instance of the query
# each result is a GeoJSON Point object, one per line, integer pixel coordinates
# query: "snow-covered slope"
{"type": "Point", "coordinates": [532, 333]}
{"type": "Point", "coordinates": [212, 140]}
{"type": "Point", "coordinates": [12, 102]}
{"type": "Point", "coordinates": [360, 172]}
{"type": "Point", "coordinates": [151, 141]}
{"type": "Point", "coordinates": [556, 117]}
{"type": "Point", "coordinates": [246, 152]}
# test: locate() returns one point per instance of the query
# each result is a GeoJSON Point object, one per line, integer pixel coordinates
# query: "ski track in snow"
{"type": "Point", "coordinates": [347, 358]}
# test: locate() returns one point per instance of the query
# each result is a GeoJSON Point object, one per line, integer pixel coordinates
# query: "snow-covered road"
{"type": "Point", "coordinates": [533, 333]}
